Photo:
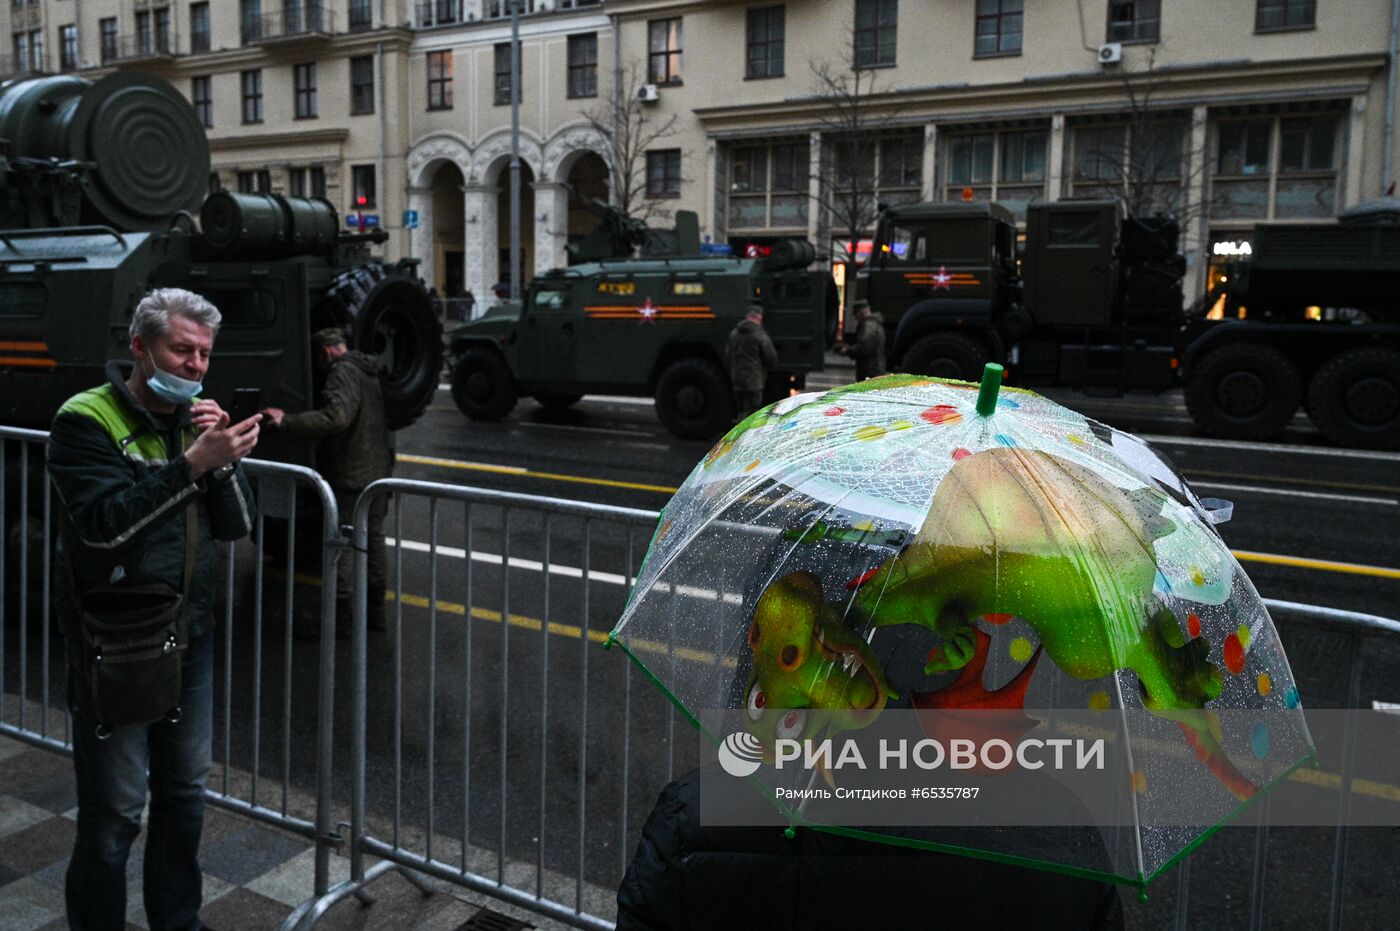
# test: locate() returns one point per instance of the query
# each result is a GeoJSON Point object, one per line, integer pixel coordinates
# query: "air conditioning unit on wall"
{"type": "Point", "coordinates": [1110, 53]}
{"type": "Point", "coordinates": [648, 93]}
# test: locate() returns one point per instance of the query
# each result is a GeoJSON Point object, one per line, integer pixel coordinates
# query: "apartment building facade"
{"type": "Point", "coordinates": [1223, 113]}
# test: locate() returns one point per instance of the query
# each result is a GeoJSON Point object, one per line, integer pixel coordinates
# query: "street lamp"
{"type": "Point", "coordinates": [515, 149]}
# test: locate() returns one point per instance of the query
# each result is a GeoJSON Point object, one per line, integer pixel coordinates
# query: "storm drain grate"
{"type": "Point", "coordinates": [487, 920]}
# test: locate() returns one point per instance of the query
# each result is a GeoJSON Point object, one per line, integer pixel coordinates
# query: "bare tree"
{"type": "Point", "coordinates": [630, 127]}
{"type": "Point", "coordinates": [1147, 163]}
{"type": "Point", "coordinates": [851, 125]}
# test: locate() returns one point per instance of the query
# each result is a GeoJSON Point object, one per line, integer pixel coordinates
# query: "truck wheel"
{"type": "Point", "coordinates": [557, 402]}
{"type": "Point", "coordinates": [1245, 391]}
{"type": "Point", "coordinates": [693, 400]}
{"type": "Point", "coordinates": [1355, 398]}
{"type": "Point", "coordinates": [946, 355]}
{"type": "Point", "coordinates": [482, 385]}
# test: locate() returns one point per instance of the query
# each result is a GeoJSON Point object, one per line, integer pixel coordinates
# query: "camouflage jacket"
{"type": "Point", "coordinates": [356, 446]}
{"type": "Point", "coordinates": [749, 355]}
{"type": "Point", "coordinates": [868, 348]}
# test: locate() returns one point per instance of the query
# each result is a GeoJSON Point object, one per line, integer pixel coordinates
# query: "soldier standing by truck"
{"type": "Point", "coordinates": [355, 448]}
{"type": "Point", "coordinates": [868, 348]}
{"type": "Point", "coordinates": [749, 355]}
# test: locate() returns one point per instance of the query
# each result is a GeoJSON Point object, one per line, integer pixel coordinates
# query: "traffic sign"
{"type": "Point", "coordinates": [410, 219]}
{"type": "Point", "coordinates": [370, 219]}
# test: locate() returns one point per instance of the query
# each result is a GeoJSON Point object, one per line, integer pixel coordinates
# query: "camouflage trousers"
{"type": "Point", "coordinates": [746, 402]}
{"type": "Point", "coordinates": [378, 562]}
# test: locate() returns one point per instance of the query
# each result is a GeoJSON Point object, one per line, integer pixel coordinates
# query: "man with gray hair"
{"type": "Point", "coordinates": [129, 460]}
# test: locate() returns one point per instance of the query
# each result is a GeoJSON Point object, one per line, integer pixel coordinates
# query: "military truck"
{"type": "Point", "coordinates": [654, 326]}
{"type": "Point", "coordinates": [99, 186]}
{"type": "Point", "coordinates": [1094, 301]}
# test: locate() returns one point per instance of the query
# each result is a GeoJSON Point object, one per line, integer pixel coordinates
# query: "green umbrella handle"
{"type": "Point", "coordinates": [991, 384]}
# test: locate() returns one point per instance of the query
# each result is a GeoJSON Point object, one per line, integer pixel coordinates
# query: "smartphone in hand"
{"type": "Point", "coordinates": [247, 402]}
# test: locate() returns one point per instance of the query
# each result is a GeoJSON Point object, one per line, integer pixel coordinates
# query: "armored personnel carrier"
{"type": "Point", "coordinates": [652, 325]}
{"type": "Point", "coordinates": [102, 197]}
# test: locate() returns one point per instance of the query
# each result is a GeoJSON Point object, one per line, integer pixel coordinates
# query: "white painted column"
{"type": "Point", "coordinates": [1055, 159]}
{"type": "Point", "coordinates": [1352, 191]}
{"type": "Point", "coordinates": [422, 241]}
{"type": "Point", "coordinates": [551, 225]}
{"type": "Point", "coordinates": [1194, 238]}
{"type": "Point", "coordinates": [927, 190]}
{"type": "Point", "coordinates": [814, 192]}
{"type": "Point", "coordinates": [480, 240]}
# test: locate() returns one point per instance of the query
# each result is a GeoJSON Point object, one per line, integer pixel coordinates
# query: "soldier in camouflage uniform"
{"type": "Point", "coordinates": [749, 355]}
{"type": "Point", "coordinates": [355, 448]}
{"type": "Point", "coordinates": [868, 347]}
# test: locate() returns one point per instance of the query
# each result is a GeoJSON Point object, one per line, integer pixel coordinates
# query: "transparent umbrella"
{"type": "Point", "coordinates": [936, 544]}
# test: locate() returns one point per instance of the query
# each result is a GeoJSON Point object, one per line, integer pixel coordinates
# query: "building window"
{"type": "Point", "coordinates": [1139, 164]}
{"type": "Point", "coordinates": [768, 186]}
{"type": "Point", "coordinates": [255, 182]}
{"type": "Point", "coordinates": [664, 57]}
{"type": "Point", "coordinates": [1281, 167]}
{"type": "Point", "coordinates": [304, 79]}
{"type": "Point", "coordinates": [296, 182]}
{"type": "Point", "coordinates": [876, 28]}
{"type": "Point", "coordinates": [202, 96]}
{"type": "Point", "coordinates": [107, 28]}
{"type": "Point", "coordinates": [68, 47]}
{"type": "Point", "coordinates": [437, 12]}
{"type": "Point", "coordinates": [362, 85]}
{"type": "Point", "coordinates": [765, 43]}
{"type": "Point", "coordinates": [252, 96]}
{"type": "Point", "coordinates": [143, 32]}
{"type": "Point", "coordinates": [1274, 15]}
{"type": "Point", "coordinates": [998, 27]}
{"type": "Point", "coordinates": [664, 173]}
{"type": "Point", "coordinates": [500, 9]}
{"type": "Point", "coordinates": [317, 177]}
{"type": "Point", "coordinates": [29, 50]}
{"type": "Point", "coordinates": [583, 65]}
{"type": "Point", "coordinates": [869, 170]}
{"type": "Point", "coordinates": [199, 27]}
{"type": "Point", "coordinates": [1007, 166]}
{"type": "Point", "coordinates": [361, 14]}
{"type": "Point", "coordinates": [503, 81]}
{"type": "Point", "coordinates": [1134, 20]}
{"type": "Point", "coordinates": [163, 31]}
{"type": "Point", "coordinates": [362, 184]}
{"type": "Point", "coordinates": [440, 80]}
{"type": "Point", "coordinates": [250, 20]}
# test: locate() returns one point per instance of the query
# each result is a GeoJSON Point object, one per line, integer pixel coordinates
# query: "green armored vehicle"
{"type": "Point", "coordinates": [99, 189]}
{"type": "Point", "coordinates": [1093, 299]}
{"type": "Point", "coordinates": [650, 326]}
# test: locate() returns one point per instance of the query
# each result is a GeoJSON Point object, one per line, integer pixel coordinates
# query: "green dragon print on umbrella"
{"type": "Point", "coordinates": [837, 531]}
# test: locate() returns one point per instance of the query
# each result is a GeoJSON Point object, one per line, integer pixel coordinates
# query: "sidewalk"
{"type": "Point", "coordinates": [254, 875]}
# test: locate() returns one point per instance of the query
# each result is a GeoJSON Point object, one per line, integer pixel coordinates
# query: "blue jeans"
{"type": "Point", "coordinates": [112, 782]}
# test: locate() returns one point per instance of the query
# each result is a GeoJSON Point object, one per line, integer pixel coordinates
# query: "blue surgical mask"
{"type": "Point", "coordinates": [171, 388]}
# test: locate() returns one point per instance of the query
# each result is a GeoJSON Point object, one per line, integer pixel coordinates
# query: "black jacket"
{"type": "Point", "coordinates": [686, 877]}
{"type": "Point", "coordinates": [123, 484]}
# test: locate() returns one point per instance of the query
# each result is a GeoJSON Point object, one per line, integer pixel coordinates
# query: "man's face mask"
{"type": "Point", "coordinates": [170, 387]}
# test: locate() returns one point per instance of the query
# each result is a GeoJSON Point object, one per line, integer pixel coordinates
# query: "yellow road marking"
{"type": "Point", "coordinates": [1322, 565]}
{"type": "Point", "coordinates": [530, 473]}
{"type": "Point", "coordinates": [1316, 777]}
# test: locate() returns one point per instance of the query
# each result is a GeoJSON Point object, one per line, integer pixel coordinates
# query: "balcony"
{"type": "Point", "coordinates": [294, 25]}
{"type": "Point", "coordinates": [145, 47]}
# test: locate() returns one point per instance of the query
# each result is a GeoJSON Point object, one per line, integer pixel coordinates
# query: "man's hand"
{"type": "Point", "coordinates": [207, 414]}
{"type": "Point", "coordinates": [274, 414]}
{"type": "Point", "coordinates": [222, 445]}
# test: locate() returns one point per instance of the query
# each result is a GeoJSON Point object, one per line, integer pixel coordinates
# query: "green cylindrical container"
{"type": "Point", "coordinates": [148, 153]}
{"type": "Point", "coordinates": [245, 225]}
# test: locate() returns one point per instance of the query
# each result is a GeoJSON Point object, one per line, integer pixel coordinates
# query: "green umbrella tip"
{"type": "Point", "coordinates": [1142, 896]}
{"type": "Point", "coordinates": [607, 644]}
{"type": "Point", "coordinates": [991, 384]}
{"type": "Point", "coordinates": [789, 832]}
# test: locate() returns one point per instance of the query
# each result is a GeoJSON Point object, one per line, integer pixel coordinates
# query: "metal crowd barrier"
{"type": "Point", "coordinates": [487, 755]}
{"type": "Point", "coordinates": [256, 694]}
